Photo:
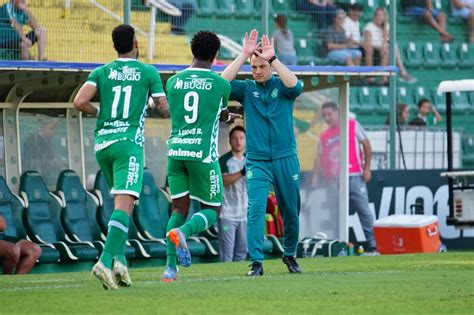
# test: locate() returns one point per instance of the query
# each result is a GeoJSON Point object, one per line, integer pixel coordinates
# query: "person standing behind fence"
{"type": "Point", "coordinates": [284, 42]}
{"type": "Point", "coordinates": [326, 165]}
{"type": "Point", "coordinates": [13, 15]}
{"type": "Point", "coordinates": [426, 110]}
{"type": "Point", "coordinates": [233, 218]}
{"type": "Point", "coordinates": [403, 113]}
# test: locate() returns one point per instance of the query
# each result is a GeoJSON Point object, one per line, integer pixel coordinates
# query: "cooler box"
{"type": "Point", "coordinates": [400, 234]}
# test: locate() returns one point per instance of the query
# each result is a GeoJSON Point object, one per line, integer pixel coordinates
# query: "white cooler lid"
{"type": "Point", "coordinates": [402, 220]}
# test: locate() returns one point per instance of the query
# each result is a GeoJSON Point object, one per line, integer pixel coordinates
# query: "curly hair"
{"type": "Point", "coordinates": [122, 37]}
{"type": "Point", "coordinates": [205, 45]}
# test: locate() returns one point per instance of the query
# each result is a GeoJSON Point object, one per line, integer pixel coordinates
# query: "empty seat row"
{"type": "Point", "coordinates": [432, 55]}
{"type": "Point", "coordinates": [376, 99]}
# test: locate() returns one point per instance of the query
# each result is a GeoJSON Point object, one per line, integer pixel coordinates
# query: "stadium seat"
{"type": "Point", "coordinates": [404, 95]}
{"type": "Point", "coordinates": [448, 56]}
{"type": "Point", "coordinates": [383, 100]}
{"type": "Point", "coordinates": [43, 223]}
{"type": "Point", "coordinates": [431, 55]}
{"type": "Point", "coordinates": [439, 100]}
{"type": "Point", "coordinates": [142, 249]}
{"type": "Point", "coordinates": [206, 8]}
{"type": "Point", "coordinates": [11, 209]}
{"type": "Point", "coordinates": [79, 214]}
{"type": "Point", "coordinates": [367, 100]}
{"type": "Point", "coordinates": [245, 9]}
{"type": "Point", "coordinates": [468, 151]}
{"type": "Point", "coordinates": [279, 6]}
{"type": "Point", "coordinates": [305, 52]}
{"type": "Point", "coordinates": [354, 104]}
{"type": "Point", "coordinates": [466, 55]}
{"type": "Point", "coordinates": [152, 215]}
{"type": "Point", "coordinates": [419, 93]}
{"type": "Point", "coordinates": [460, 102]}
{"type": "Point", "coordinates": [225, 9]}
{"type": "Point", "coordinates": [413, 55]}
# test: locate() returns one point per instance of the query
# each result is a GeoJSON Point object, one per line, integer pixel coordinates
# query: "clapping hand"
{"type": "Point", "coordinates": [250, 42]}
{"type": "Point", "coordinates": [268, 51]}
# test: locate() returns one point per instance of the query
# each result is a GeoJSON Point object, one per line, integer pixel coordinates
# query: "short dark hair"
{"type": "Point", "coordinates": [123, 38]}
{"type": "Point", "coordinates": [331, 105]}
{"type": "Point", "coordinates": [422, 101]}
{"type": "Point", "coordinates": [356, 7]}
{"type": "Point", "coordinates": [205, 45]}
{"type": "Point", "coordinates": [236, 128]}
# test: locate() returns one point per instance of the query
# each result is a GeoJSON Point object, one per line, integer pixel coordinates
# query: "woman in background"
{"type": "Point", "coordinates": [284, 42]}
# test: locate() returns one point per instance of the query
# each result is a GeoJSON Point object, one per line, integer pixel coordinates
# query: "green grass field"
{"type": "Point", "coordinates": [403, 284]}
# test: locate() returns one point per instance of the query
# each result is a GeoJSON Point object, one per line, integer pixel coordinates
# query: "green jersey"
{"type": "Point", "coordinates": [196, 98]}
{"type": "Point", "coordinates": [124, 86]}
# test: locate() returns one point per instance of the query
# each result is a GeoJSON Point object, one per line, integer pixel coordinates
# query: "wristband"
{"type": "Point", "coordinates": [272, 59]}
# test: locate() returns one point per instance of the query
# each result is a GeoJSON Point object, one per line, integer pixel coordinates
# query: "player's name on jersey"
{"type": "Point", "coordinates": [215, 185]}
{"type": "Point", "coordinates": [125, 73]}
{"type": "Point", "coordinates": [193, 131]}
{"type": "Point", "coordinates": [185, 153]}
{"type": "Point", "coordinates": [186, 141]}
{"type": "Point", "coordinates": [194, 83]}
{"type": "Point", "coordinates": [103, 132]}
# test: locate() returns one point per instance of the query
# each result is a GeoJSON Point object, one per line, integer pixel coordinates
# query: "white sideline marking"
{"type": "Point", "coordinates": [42, 288]}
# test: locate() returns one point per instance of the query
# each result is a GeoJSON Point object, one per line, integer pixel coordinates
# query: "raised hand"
{"type": "Point", "coordinates": [268, 51]}
{"type": "Point", "coordinates": [250, 42]}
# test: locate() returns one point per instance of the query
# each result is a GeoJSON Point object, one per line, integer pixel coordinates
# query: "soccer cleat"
{"type": "Point", "coordinates": [291, 263]}
{"type": "Point", "coordinates": [182, 252]}
{"type": "Point", "coordinates": [256, 269]}
{"type": "Point", "coordinates": [105, 276]}
{"type": "Point", "coordinates": [120, 272]}
{"type": "Point", "coordinates": [169, 275]}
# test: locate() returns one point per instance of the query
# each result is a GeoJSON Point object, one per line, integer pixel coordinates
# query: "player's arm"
{"type": "Point", "coordinates": [250, 45]}
{"type": "Point", "coordinates": [367, 148]}
{"type": "Point", "coordinates": [158, 94]}
{"type": "Point", "coordinates": [82, 101]}
{"type": "Point", "coordinates": [160, 105]}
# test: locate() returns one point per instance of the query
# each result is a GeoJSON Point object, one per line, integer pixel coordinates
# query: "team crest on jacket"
{"type": "Point", "coordinates": [275, 93]}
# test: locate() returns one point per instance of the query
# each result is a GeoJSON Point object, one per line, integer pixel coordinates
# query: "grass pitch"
{"type": "Point", "coordinates": [403, 284]}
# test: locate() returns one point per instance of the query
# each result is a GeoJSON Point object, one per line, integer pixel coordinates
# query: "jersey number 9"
{"type": "Point", "coordinates": [191, 107]}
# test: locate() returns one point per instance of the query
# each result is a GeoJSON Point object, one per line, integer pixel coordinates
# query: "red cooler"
{"type": "Point", "coordinates": [400, 234]}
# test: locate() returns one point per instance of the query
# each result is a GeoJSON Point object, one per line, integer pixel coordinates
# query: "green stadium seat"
{"type": "Point", "coordinates": [419, 93]}
{"type": "Point", "coordinates": [431, 55]}
{"type": "Point", "coordinates": [279, 6]}
{"type": "Point", "coordinates": [383, 99]}
{"type": "Point", "coordinates": [471, 98]}
{"type": "Point", "coordinates": [467, 144]}
{"type": "Point", "coordinates": [245, 9]}
{"type": "Point", "coordinates": [367, 100]}
{"type": "Point", "coordinates": [43, 223]}
{"type": "Point", "coordinates": [466, 55]}
{"type": "Point", "coordinates": [142, 249]}
{"type": "Point", "coordinates": [305, 51]}
{"type": "Point", "coordinates": [404, 95]}
{"type": "Point", "coordinates": [79, 214]}
{"type": "Point", "coordinates": [413, 55]}
{"type": "Point", "coordinates": [354, 104]}
{"type": "Point", "coordinates": [439, 100]}
{"type": "Point", "coordinates": [11, 209]}
{"type": "Point", "coordinates": [225, 9]}
{"type": "Point", "coordinates": [206, 8]}
{"type": "Point", "coordinates": [460, 102]}
{"type": "Point", "coordinates": [448, 56]}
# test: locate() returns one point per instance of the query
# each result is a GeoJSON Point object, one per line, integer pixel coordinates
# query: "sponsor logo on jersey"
{"type": "Point", "coordinates": [133, 171]}
{"type": "Point", "coordinates": [214, 182]}
{"type": "Point", "coordinates": [185, 153]}
{"type": "Point", "coordinates": [186, 141]}
{"type": "Point", "coordinates": [104, 144]}
{"type": "Point", "coordinates": [194, 83]}
{"type": "Point", "coordinates": [125, 73]}
{"type": "Point", "coordinates": [256, 95]}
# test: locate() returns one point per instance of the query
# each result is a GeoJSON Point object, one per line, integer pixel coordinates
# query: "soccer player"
{"type": "Point", "coordinates": [198, 100]}
{"type": "Point", "coordinates": [272, 158]}
{"type": "Point", "coordinates": [124, 86]}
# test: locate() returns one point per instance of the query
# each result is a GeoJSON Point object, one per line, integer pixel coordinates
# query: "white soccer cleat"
{"type": "Point", "coordinates": [105, 276]}
{"type": "Point", "coordinates": [122, 277]}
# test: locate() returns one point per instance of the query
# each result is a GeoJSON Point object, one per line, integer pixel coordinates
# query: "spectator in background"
{"type": "Point", "coordinates": [322, 11]}
{"type": "Point", "coordinates": [423, 10]}
{"type": "Point", "coordinates": [284, 42]}
{"type": "Point", "coordinates": [403, 113]}
{"type": "Point", "coordinates": [427, 114]}
{"type": "Point", "coordinates": [376, 39]}
{"type": "Point", "coordinates": [465, 9]}
{"type": "Point", "coordinates": [233, 217]}
{"type": "Point", "coordinates": [13, 15]}
{"type": "Point", "coordinates": [326, 165]}
{"type": "Point", "coordinates": [19, 257]}
{"type": "Point", "coordinates": [178, 23]}
{"type": "Point", "coordinates": [342, 49]}
{"type": "Point", "coordinates": [352, 22]}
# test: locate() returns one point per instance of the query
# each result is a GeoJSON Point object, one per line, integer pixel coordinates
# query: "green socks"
{"type": "Point", "coordinates": [116, 238]}
{"type": "Point", "coordinates": [199, 222]}
{"type": "Point", "coordinates": [176, 220]}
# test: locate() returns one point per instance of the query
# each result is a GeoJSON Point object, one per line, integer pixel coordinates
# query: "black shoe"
{"type": "Point", "coordinates": [255, 270]}
{"type": "Point", "coordinates": [291, 263]}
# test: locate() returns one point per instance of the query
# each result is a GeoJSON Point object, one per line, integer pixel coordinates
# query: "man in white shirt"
{"type": "Point", "coordinates": [352, 23]}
